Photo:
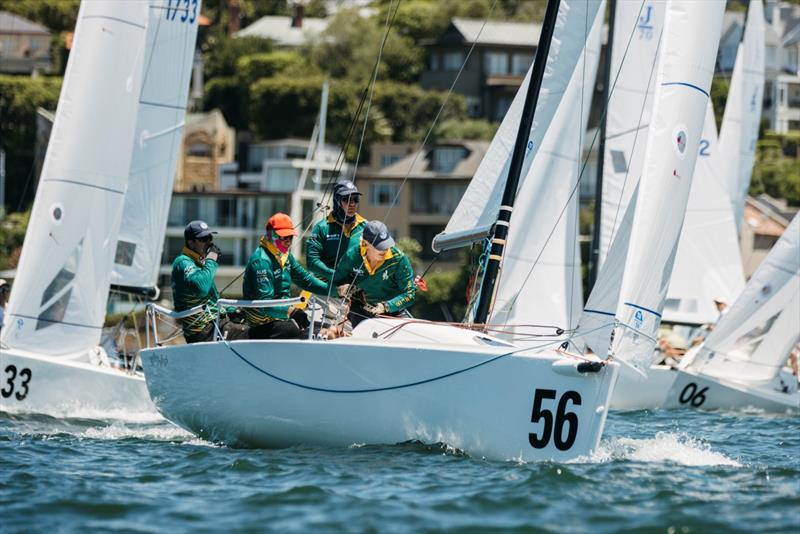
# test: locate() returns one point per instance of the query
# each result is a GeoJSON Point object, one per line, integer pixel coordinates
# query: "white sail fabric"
{"type": "Point", "coordinates": [739, 131]}
{"type": "Point", "coordinates": [752, 341]}
{"type": "Point", "coordinates": [59, 300]}
{"type": "Point", "coordinates": [708, 264]}
{"type": "Point", "coordinates": [540, 281]}
{"type": "Point", "coordinates": [638, 27]}
{"type": "Point", "coordinates": [169, 54]}
{"type": "Point", "coordinates": [688, 53]}
{"type": "Point", "coordinates": [477, 211]}
{"type": "Point", "coordinates": [598, 319]}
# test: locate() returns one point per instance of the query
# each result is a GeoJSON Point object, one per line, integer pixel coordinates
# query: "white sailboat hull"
{"type": "Point", "coordinates": [31, 383]}
{"type": "Point", "coordinates": [634, 392]}
{"type": "Point", "coordinates": [352, 391]}
{"type": "Point", "coordinates": [694, 390]}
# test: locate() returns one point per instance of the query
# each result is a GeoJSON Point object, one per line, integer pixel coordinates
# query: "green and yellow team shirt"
{"type": "Point", "coordinates": [391, 281]}
{"type": "Point", "coordinates": [329, 237]}
{"type": "Point", "coordinates": [193, 284]}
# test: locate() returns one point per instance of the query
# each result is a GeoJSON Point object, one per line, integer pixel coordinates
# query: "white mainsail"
{"type": "Point", "coordinates": [688, 53]}
{"type": "Point", "coordinates": [540, 281]}
{"type": "Point", "coordinates": [742, 117]}
{"type": "Point", "coordinates": [169, 53]}
{"type": "Point", "coordinates": [59, 299]}
{"type": "Point", "coordinates": [708, 264]}
{"type": "Point", "coordinates": [751, 342]}
{"type": "Point", "coordinates": [477, 211]}
{"type": "Point", "coordinates": [638, 28]}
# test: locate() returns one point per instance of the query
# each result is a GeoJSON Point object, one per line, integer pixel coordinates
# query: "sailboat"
{"type": "Point", "coordinates": [398, 380]}
{"type": "Point", "coordinates": [739, 364]}
{"type": "Point", "coordinates": [103, 143]}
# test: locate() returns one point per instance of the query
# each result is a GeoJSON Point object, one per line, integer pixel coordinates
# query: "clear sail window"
{"type": "Point", "coordinates": [125, 253]}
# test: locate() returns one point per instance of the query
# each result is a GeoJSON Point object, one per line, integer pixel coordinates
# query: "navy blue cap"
{"type": "Point", "coordinates": [197, 230]}
{"type": "Point", "coordinates": [377, 235]}
{"type": "Point", "coordinates": [345, 188]}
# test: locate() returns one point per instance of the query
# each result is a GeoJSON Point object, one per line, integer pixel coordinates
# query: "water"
{"type": "Point", "coordinates": [668, 471]}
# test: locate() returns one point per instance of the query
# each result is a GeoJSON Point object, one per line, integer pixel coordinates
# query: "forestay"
{"type": "Point", "coordinates": [752, 341]}
{"type": "Point", "coordinates": [708, 264]}
{"type": "Point", "coordinates": [477, 211]}
{"type": "Point", "coordinates": [59, 300]}
{"type": "Point", "coordinates": [742, 117]}
{"type": "Point", "coordinates": [541, 272]}
{"type": "Point", "coordinates": [689, 49]}
{"type": "Point", "coordinates": [169, 53]}
{"type": "Point", "coordinates": [638, 29]}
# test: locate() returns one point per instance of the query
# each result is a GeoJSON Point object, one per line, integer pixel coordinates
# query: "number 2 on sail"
{"type": "Point", "coordinates": [554, 427]}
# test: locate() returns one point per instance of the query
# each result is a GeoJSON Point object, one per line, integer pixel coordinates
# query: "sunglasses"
{"type": "Point", "coordinates": [287, 238]}
{"type": "Point", "coordinates": [206, 239]}
{"type": "Point", "coordinates": [351, 200]}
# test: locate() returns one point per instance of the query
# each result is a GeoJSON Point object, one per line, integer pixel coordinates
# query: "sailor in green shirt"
{"type": "Point", "coordinates": [193, 284]}
{"type": "Point", "coordinates": [381, 272]}
{"type": "Point", "coordinates": [269, 275]}
{"type": "Point", "coordinates": [337, 234]}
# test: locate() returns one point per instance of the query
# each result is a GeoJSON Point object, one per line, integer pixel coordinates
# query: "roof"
{"type": "Point", "coordinates": [11, 23]}
{"type": "Point", "coordinates": [498, 33]}
{"type": "Point", "coordinates": [280, 30]}
{"type": "Point", "coordinates": [767, 215]}
{"type": "Point", "coordinates": [417, 164]}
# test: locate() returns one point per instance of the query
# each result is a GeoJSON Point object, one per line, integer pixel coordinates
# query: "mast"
{"type": "Point", "coordinates": [594, 257]}
{"type": "Point", "coordinates": [500, 232]}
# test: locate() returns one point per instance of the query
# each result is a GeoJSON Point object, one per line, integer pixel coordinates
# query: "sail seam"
{"type": "Point", "coordinates": [123, 21]}
{"type": "Point", "coordinates": [92, 186]}
{"type": "Point", "coordinates": [686, 84]}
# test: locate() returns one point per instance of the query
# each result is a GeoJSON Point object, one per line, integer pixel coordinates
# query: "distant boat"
{"type": "Point", "coordinates": [113, 144]}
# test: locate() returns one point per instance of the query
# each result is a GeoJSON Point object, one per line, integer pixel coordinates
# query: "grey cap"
{"type": "Point", "coordinates": [377, 235]}
{"type": "Point", "coordinates": [4, 283]}
{"type": "Point", "coordinates": [197, 230]}
{"type": "Point", "coordinates": [345, 188]}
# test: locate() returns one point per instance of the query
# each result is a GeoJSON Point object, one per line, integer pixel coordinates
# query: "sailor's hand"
{"type": "Point", "coordinates": [378, 309]}
{"type": "Point", "coordinates": [213, 253]}
{"type": "Point", "coordinates": [343, 290]}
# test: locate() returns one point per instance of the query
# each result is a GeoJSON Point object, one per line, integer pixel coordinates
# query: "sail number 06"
{"type": "Point", "coordinates": [12, 383]}
{"type": "Point", "coordinates": [553, 425]}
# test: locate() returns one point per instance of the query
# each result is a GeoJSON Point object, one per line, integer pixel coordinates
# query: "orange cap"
{"type": "Point", "coordinates": [282, 224]}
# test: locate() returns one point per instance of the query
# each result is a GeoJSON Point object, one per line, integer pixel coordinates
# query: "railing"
{"type": "Point", "coordinates": [154, 311]}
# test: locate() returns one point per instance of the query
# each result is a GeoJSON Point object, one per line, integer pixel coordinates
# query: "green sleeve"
{"type": "Point", "coordinates": [404, 277]}
{"type": "Point", "coordinates": [314, 251]}
{"type": "Point", "coordinates": [200, 279]}
{"type": "Point", "coordinates": [262, 288]}
{"type": "Point", "coordinates": [305, 279]}
{"type": "Point", "coordinates": [344, 269]}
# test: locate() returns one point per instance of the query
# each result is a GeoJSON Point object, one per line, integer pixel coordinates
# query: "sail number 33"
{"type": "Point", "coordinates": [187, 9]}
{"type": "Point", "coordinates": [553, 425]}
{"type": "Point", "coordinates": [16, 382]}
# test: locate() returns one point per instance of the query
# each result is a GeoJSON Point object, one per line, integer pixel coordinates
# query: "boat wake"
{"type": "Point", "coordinates": [665, 447]}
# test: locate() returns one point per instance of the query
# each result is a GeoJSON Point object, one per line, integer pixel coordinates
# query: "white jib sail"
{"type": "Point", "coordinates": [169, 54]}
{"type": "Point", "coordinates": [752, 341]}
{"type": "Point", "coordinates": [688, 53]}
{"type": "Point", "coordinates": [638, 27]}
{"type": "Point", "coordinates": [540, 281]}
{"type": "Point", "coordinates": [477, 211]}
{"type": "Point", "coordinates": [708, 264]}
{"type": "Point", "coordinates": [59, 300]}
{"type": "Point", "coordinates": [739, 130]}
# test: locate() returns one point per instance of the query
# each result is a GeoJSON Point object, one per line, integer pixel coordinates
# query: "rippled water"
{"type": "Point", "coordinates": [667, 471]}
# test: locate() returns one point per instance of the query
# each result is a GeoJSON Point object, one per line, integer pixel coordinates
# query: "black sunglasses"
{"type": "Point", "coordinates": [206, 239]}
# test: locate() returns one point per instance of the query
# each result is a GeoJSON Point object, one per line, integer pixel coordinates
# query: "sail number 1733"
{"type": "Point", "coordinates": [187, 9]}
{"type": "Point", "coordinates": [552, 425]}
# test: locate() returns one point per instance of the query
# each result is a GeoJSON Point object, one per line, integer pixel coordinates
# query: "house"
{"type": "Point", "coordinates": [285, 32]}
{"type": "Point", "coordinates": [415, 190]}
{"type": "Point", "coordinates": [495, 69]}
{"type": "Point", "coordinates": [765, 220]}
{"type": "Point", "coordinates": [24, 45]}
{"type": "Point", "coordinates": [208, 142]}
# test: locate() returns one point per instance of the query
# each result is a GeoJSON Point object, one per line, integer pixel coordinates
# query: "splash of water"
{"type": "Point", "coordinates": [665, 447]}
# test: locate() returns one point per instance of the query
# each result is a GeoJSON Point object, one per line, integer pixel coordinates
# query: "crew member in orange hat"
{"type": "Point", "coordinates": [269, 275]}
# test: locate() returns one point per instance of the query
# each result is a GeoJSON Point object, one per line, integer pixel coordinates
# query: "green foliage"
{"type": "Point", "coordinates": [57, 15]}
{"type": "Point", "coordinates": [476, 129]}
{"type": "Point", "coordinates": [231, 97]}
{"type": "Point", "coordinates": [12, 234]}
{"type": "Point", "coordinates": [411, 248]}
{"type": "Point", "coordinates": [719, 95]}
{"type": "Point", "coordinates": [222, 53]}
{"type": "Point", "coordinates": [774, 173]}
{"type": "Point", "coordinates": [19, 98]}
{"type": "Point", "coordinates": [266, 64]}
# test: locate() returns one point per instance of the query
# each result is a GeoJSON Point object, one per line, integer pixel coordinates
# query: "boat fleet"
{"type": "Point", "coordinates": [533, 371]}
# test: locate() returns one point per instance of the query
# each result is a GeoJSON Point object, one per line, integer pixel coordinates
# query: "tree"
{"type": "Point", "coordinates": [477, 129]}
{"type": "Point", "coordinates": [12, 235]}
{"type": "Point", "coordinates": [774, 173]}
{"type": "Point", "coordinates": [56, 15]}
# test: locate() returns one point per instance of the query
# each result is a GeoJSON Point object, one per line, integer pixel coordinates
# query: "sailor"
{"type": "Point", "coordinates": [333, 237]}
{"type": "Point", "coordinates": [193, 284]}
{"type": "Point", "coordinates": [4, 291]}
{"type": "Point", "coordinates": [376, 275]}
{"type": "Point", "coordinates": [269, 275]}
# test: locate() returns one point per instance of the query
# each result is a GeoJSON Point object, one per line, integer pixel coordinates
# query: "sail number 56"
{"type": "Point", "coordinates": [553, 425]}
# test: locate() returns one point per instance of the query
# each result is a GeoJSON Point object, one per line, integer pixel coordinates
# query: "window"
{"type": "Point", "coordinates": [473, 106]}
{"type": "Point", "coordinates": [764, 242]}
{"type": "Point", "coordinates": [202, 150]}
{"type": "Point", "coordinates": [501, 106]}
{"type": "Point", "coordinates": [388, 159]}
{"type": "Point", "coordinates": [520, 63]}
{"type": "Point", "coordinates": [495, 63]}
{"type": "Point", "coordinates": [618, 161]}
{"type": "Point", "coordinates": [445, 159]}
{"type": "Point", "coordinates": [436, 199]}
{"type": "Point", "coordinates": [434, 61]}
{"type": "Point", "coordinates": [384, 194]}
{"type": "Point", "coordinates": [452, 60]}
{"type": "Point", "coordinates": [266, 206]}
